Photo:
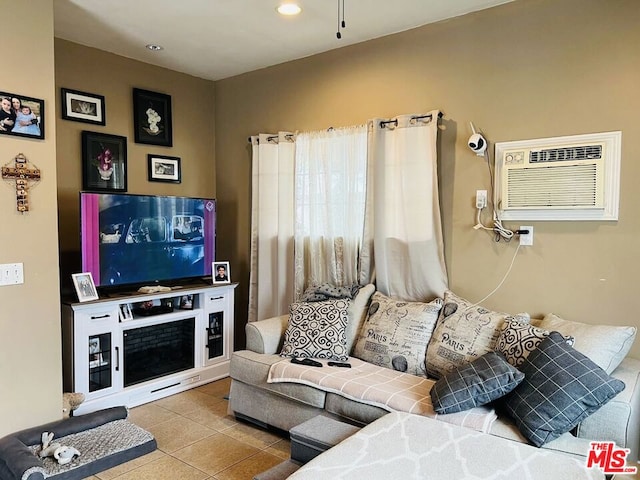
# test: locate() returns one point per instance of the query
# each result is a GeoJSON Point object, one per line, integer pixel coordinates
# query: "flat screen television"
{"type": "Point", "coordinates": [146, 239]}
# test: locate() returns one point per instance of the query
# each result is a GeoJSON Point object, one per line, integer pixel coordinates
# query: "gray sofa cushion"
{"type": "Point", "coordinates": [482, 381]}
{"type": "Point", "coordinates": [561, 387]}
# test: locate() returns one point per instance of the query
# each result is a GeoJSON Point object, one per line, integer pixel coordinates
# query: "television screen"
{"type": "Point", "coordinates": [143, 239]}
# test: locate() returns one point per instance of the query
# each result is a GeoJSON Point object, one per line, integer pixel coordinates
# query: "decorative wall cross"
{"type": "Point", "coordinates": [24, 176]}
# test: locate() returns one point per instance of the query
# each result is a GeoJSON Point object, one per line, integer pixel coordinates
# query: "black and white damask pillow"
{"type": "Point", "coordinates": [518, 339]}
{"type": "Point", "coordinates": [317, 330]}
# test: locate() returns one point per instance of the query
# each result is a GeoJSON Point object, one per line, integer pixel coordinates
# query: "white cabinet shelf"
{"type": "Point", "coordinates": [135, 348]}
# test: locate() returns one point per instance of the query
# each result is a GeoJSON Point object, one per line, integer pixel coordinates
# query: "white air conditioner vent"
{"type": "Point", "coordinates": [561, 178]}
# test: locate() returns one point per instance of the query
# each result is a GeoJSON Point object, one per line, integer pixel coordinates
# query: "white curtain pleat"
{"type": "Point", "coordinates": [271, 282]}
{"type": "Point", "coordinates": [403, 210]}
{"type": "Point", "coordinates": [330, 183]}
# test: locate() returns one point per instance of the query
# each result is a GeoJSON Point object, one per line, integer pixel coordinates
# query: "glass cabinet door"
{"type": "Point", "coordinates": [215, 338]}
{"type": "Point", "coordinates": [99, 362]}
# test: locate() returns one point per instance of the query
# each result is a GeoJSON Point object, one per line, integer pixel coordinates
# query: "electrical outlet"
{"type": "Point", "coordinates": [481, 198]}
{"type": "Point", "coordinates": [526, 239]}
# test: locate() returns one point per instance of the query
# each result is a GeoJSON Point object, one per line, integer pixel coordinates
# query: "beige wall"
{"type": "Point", "coordinates": [192, 101]}
{"type": "Point", "coordinates": [30, 369]}
{"type": "Point", "coordinates": [527, 69]}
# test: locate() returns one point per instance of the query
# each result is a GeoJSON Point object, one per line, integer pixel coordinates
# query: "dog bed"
{"type": "Point", "coordinates": [104, 438]}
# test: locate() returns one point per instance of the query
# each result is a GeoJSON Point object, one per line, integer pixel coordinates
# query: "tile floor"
{"type": "Point", "coordinates": [198, 440]}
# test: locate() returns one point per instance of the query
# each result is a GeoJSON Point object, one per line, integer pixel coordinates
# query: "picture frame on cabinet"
{"type": "Point", "coordinates": [85, 288]}
{"type": "Point", "coordinates": [220, 272]}
{"type": "Point", "coordinates": [124, 313]}
{"type": "Point", "coordinates": [83, 107]}
{"type": "Point", "coordinates": [152, 123]}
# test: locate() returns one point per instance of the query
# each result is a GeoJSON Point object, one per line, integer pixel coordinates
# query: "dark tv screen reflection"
{"type": "Point", "coordinates": [146, 239]}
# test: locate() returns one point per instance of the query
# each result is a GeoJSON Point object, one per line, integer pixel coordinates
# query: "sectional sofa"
{"type": "Point", "coordinates": [459, 332]}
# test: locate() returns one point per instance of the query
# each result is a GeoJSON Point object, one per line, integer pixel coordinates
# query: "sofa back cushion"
{"type": "Point", "coordinates": [396, 332]}
{"type": "Point", "coordinates": [357, 312]}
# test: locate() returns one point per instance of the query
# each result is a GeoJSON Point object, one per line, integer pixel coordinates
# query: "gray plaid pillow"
{"type": "Point", "coordinates": [561, 387]}
{"type": "Point", "coordinates": [485, 379]}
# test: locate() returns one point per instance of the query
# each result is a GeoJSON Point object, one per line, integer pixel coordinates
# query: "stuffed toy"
{"type": "Point", "coordinates": [71, 401]}
{"type": "Point", "coordinates": [62, 453]}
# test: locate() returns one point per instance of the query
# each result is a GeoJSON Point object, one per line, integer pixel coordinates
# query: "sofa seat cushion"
{"type": "Point", "coordinates": [482, 381]}
{"type": "Point", "coordinates": [395, 333]}
{"type": "Point", "coordinates": [253, 369]}
{"type": "Point", "coordinates": [561, 387]}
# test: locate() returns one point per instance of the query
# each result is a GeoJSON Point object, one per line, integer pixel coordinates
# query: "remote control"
{"type": "Point", "coordinates": [339, 364]}
{"type": "Point", "coordinates": [306, 361]}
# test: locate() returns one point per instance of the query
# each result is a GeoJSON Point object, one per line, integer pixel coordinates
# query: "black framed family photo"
{"type": "Point", "coordinates": [21, 115]}
{"type": "Point", "coordinates": [152, 118]}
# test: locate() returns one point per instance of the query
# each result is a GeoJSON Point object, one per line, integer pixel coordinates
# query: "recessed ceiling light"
{"type": "Point", "coordinates": [154, 48]}
{"type": "Point", "coordinates": [289, 9]}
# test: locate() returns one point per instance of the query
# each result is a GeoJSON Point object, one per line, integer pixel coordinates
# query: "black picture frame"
{"type": "Point", "coordinates": [95, 176]}
{"type": "Point", "coordinates": [148, 128]}
{"type": "Point", "coordinates": [162, 168]}
{"type": "Point", "coordinates": [83, 107]}
{"type": "Point", "coordinates": [30, 125]}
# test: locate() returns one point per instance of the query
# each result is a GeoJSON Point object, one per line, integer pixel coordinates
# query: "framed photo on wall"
{"type": "Point", "coordinates": [152, 118]}
{"type": "Point", "coordinates": [221, 272]}
{"type": "Point", "coordinates": [104, 162]}
{"type": "Point", "coordinates": [21, 116]}
{"type": "Point", "coordinates": [164, 169]}
{"type": "Point", "coordinates": [85, 288]}
{"type": "Point", "coordinates": [83, 107]}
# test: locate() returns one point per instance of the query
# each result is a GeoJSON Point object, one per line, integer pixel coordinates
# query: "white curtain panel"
{"type": "Point", "coordinates": [403, 210]}
{"type": "Point", "coordinates": [271, 282]}
{"type": "Point", "coordinates": [330, 193]}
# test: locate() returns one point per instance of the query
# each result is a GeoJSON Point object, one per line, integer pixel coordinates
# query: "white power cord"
{"type": "Point", "coordinates": [501, 281]}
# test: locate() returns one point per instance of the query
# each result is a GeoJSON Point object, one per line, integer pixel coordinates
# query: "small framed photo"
{"type": "Point", "coordinates": [83, 107]}
{"type": "Point", "coordinates": [85, 288]}
{"type": "Point", "coordinates": [221, 272]}
{"type": "Point", "coordinates": [186, 302]}
{"type": "Point", "coordinates": [152, 118]}
{"type": "Point", "coordinates": [94, 345]}
{"type": "Point", "coordinates": [125, 312]}
{"type": "Point", "coordinates": [104, 162]}
{"type": "Point", "coordinates": [21, 116]}
{"type": "Point", "coordinates": [164, 169]}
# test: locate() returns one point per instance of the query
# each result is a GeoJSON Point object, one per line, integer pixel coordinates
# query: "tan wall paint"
{"type": "Point", "coordinates": [95, 71]}
{"type": "Point", "coordinates": [527, 69]}
{"type": "Point", "coordinates": [30, 368]}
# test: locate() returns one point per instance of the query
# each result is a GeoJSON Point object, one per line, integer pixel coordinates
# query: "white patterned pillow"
{"type": "Point", "coordinates": [317, 330]}
{"type": "Point", "coordinates": [463, 333]}
{"type": "Point", "coordinates": [395, 333]}
{"type": "Point", "coordinates": [518, 339]}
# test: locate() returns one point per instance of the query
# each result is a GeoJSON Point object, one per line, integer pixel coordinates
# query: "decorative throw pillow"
{"type": "Point", "coordinates": [482, 381]}
{"type": "Point", "coordinates": [518, 339]}
{"type": "Point", "coordinates": [395, 333]}
{"type": "Point", "coordinates": [357, 313]}
{"type": "Point", "coordinates": [561, 387]}
{"type": "Point", "coordinates": [463, 333]}
{"type": "Point", "coordinates": [606, 345]}
{"type": "Point", "coordinates": [317, 329]}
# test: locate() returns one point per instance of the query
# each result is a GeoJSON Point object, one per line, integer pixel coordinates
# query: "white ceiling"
{"type": "Point", "coordinates": [215, 39]}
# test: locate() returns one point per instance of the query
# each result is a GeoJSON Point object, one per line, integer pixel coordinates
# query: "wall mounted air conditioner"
{"type": "Point", "coordinates": [560, 178]}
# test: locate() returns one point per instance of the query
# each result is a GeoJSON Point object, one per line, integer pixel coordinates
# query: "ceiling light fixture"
{"type": "Point", "coordinates": [154, 48]}
{"type": "Point", "coordinates": [289, 9]}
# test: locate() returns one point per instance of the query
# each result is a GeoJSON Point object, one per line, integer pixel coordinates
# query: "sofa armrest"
{"type": "Point", "coordinates": [619, 419]}
{"type": "Point", "coordinates": [267, 336]}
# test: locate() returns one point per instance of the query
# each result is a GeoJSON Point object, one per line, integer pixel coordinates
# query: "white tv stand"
{"type": "Point", "coordinates": [134, 348]}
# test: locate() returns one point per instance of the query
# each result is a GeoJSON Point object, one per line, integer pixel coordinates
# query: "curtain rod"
{"type": "Point", "coordinates": [384, 124]}
{"type": "Point", "coordinates": [271, 138]}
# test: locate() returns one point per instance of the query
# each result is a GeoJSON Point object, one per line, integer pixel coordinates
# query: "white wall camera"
{"type": "Point", "coordinates": [477, 142]}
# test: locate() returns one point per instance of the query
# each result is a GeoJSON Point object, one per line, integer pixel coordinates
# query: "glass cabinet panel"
{"type": "Point", "coordinates": [100, 362]}
{"type": "Point", "coordinates": [215, 339]}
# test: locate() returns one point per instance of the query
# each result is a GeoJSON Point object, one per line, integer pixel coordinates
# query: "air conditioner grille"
{"type": "Point", "coordinates": [562, 154]}
{"type": "Point", "coordinates": [557, 186]}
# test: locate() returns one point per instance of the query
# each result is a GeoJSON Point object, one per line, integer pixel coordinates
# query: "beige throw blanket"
{"type": "Point", "coordinates": [380, 387]}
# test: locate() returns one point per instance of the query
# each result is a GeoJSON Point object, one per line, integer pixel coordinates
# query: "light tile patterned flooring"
{"type": "Point", "coordinates": [198, 440]}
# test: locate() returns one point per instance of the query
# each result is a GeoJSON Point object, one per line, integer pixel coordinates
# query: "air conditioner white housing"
{"type": "Point", "coordinates": [561, 178]}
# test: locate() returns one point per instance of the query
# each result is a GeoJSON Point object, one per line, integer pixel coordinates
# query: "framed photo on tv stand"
{"type": "Point", "coordinates": [220, 273]}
